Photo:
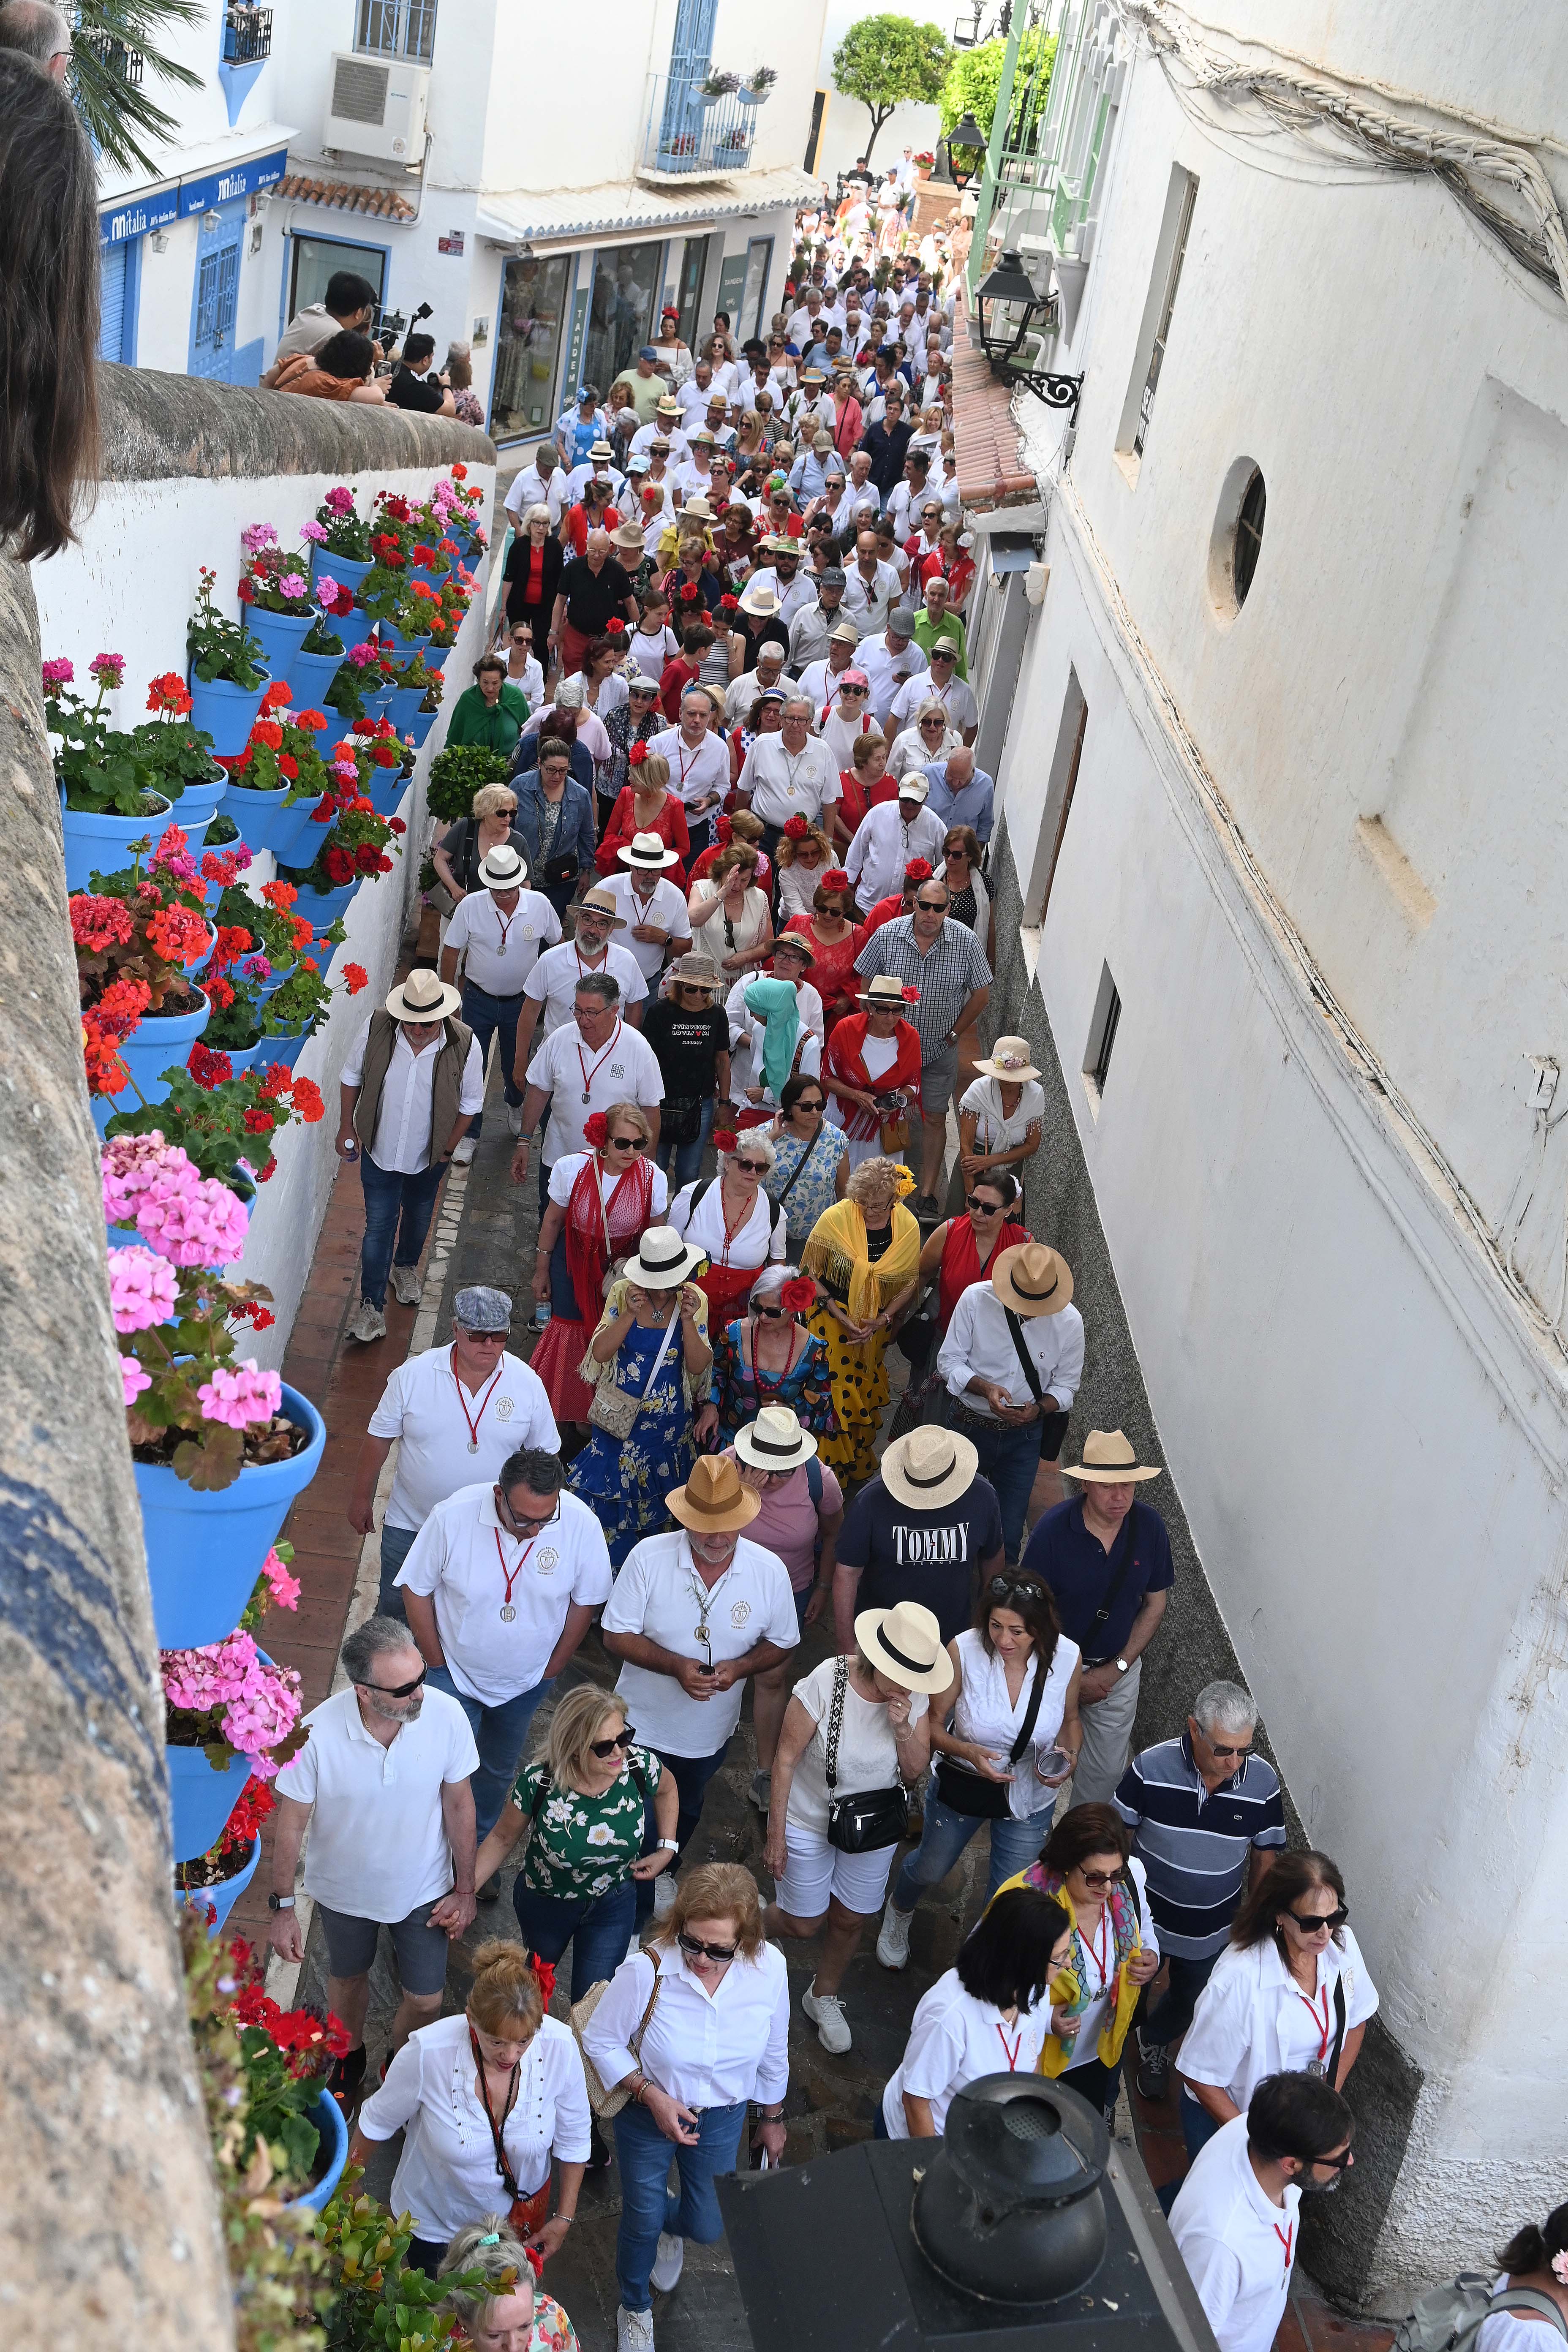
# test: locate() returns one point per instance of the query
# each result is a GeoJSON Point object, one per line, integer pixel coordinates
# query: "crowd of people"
{"type": "Point", "coordinates": [729, 926]}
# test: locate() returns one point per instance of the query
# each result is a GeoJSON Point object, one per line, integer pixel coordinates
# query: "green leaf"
{"type": "Point", "coordinates": [214, 1464]}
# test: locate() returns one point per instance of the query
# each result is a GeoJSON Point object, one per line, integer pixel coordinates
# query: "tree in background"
{"type": "Point", "coordinates": [889, 61]}
{"type": "Point", "coordinates": [116, 112]}
{"type": "Point", "coordinates": [974, 77]}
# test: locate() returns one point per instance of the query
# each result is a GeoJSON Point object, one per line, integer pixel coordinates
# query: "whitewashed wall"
{"type": "Point", "coordinates": [128, 589]}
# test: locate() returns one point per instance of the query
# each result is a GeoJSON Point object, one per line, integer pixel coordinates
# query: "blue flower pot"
{"type": "Point", "coordinates": [281, 635]}
{"type": "Point", "coordinates": [334, 2131]}
{"type": "Point", "coordinates": [402, 704]}
{"type": "Point", "coordinates": [286, 1048]}
{"type": "Point", "coordinates": [404, 647]}
{"type": "Point", "coordinates": [310, 674]}
{"type": "Point", "coordinates": [323, 908]}
{"type": "Point", "coordinates": [420, 727]}
{"type": "Point", "coordinates": [159, 1044]}
{"type": "Point", "coordinates": [387, 790]}
{"type": "Point", "coordinates": [265, 819]}
{"type": "Point", "coordinates": [204, 1551]}
{"type": "Point", "coordinates": [337, 567]}
{"type": "Point", "coordinates": [221, 1899]}
{"type": "Point", "coordinates": [355, 629]}
{"type": "Point", "coordinates": [436, 657]}
{"type": "Point", "coordinates": [201, 1800]}
{"type": "Point", "coordinates": [296, 843]}
{"type": "Point", "coordinates": [379, 703]}
{"type": "Point", "coordinates": [225, 711]}
{"type": "Point", "coordinates": [101, 845]}
{"type": "Point", "coordinates": [196, 806]}
{"type": "Point", "coordinates": [267, 988]}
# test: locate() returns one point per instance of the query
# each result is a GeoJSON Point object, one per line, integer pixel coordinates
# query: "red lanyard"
{"type": "Point", "coordinates": [685, 763]}
{"type": "Point", "coordinates": [590, 1075]}
{"type": "Point", "coordinates": [512, 1573]}
{"type": "Point", "coordinates": [1012, 2049]}
{"type": "Point", "coordinates": [475, 1420]}
{"type": "Point", "coordinates": [1101, 1959]}
{"type": "Point", "coordinates": [504, 923]}
{"type": "Point", "coordinates": [1321, 2022]}
{"type": "Point", "coordinates": [730, 1231]}
{"type": "Point", "coordinates": [1287, 2239]}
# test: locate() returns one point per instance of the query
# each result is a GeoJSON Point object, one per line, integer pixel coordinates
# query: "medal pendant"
{"type": "Point", "coordinates": [507, 1612]}
{"type": "Point", "coordinates": [1316, 2066]}
{"type": "Point", "coordinates": [585, 1096]}
{"type": "Point", "coordinates": [473, 1445]}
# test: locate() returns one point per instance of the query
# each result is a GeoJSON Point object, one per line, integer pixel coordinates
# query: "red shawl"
{"type": "Point", "coordinates": [845, 1063]}
{"type": "Point", "coordinates": [961, 1266]}
{"type": "Point", "coordinates": [626, 1211]}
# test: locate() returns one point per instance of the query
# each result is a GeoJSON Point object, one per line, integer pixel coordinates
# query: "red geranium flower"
{"type": "Point", "coordinates": [355, 977]}
{"type": "Point", "coordinates": [799, 1297]}
{"type": "Point", "coordinates": [278, 695]}
{"type": "Point", "coordinates": [796, 829]}
{"type": "Point", "coordinates": [311, 721]}
{"type": "Point", "coordinates": [918, 870]}
{"type": "Point", "coordinates": [287, 766]}
{"type": "Point", "coordinates": [208, 1068]}
{"type": "Point", "coordinates": [245, 593]}
{"type": "Point", "coordinates": [596, 1130]}
{"type": "Point", "coordinates": [395, 825]}
{"type": "Point", "coordinates": [268, 733]}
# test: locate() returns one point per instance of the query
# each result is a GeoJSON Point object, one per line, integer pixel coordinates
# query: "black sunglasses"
{"type": "Point", "coordinates": [695, 1951]}
{"type": "Point", "coordinates": [932, 906]}
{"type": "Point", "coordinates": [1309, 1924]}
{"type": "Point", "coordinates": [1101, 1877]}
{"type": "Point", "coordinates": [1330, 2163]}
{"type": "Point", "coordinates": [603, 1748]}
{"type": "Point", "coordinates": [983, 1208]}
{"type": "Point", "coordinates": [803, 1105]}
{"type": "Point", "coordinates": [1003, 1588]}
{"type": "Point", "coordinates": [774, 1313]}
{"type": "Point", "coordinates": [755, 1167]}
{"type": "Point", "coordinates": [629, 1142]}
{"type": "Point", "coordinates": [399, 1690]}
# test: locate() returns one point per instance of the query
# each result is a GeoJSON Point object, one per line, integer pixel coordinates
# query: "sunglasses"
{"type": "Point", "coordinates": [774, 1313]}
{"type": "Point", "coordinates": [983, 1208]}
{"type": "Point", "coordinates": [754, 1167]}
{"type": "Point", "coordinates": [1309, 1924]}
{"type": "Point", "coordinates": [628, 1142]}
{"type": "Point", "coordinates": [1100, 1877]}
{"type": "Point", "coordinates": [485, 1338]}
{"type": "Point", "coordinates": [695, 1951]}
{"type": "Point", "coordinates": [1219, 1748]}
{"type": "Point", "coordinates": [604, 1749]}
{"type": "Point", "coordinates": [1330, 2163]}
{"type": "Point", "coordinates": [932, 906]}
{"type": "Point", "coordinates": [811, 1106]}
{"type": "Point", "coordinates": [1004, 1588]}
{"type": "Point", "coordinates": [399, 1690]}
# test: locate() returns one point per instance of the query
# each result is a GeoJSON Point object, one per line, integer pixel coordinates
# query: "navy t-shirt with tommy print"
{"type": "Point", "coordinates": [932, 1556]}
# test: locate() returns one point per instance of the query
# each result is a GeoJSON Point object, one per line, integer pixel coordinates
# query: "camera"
{"type": "Point", "coordinates": [391, 324]}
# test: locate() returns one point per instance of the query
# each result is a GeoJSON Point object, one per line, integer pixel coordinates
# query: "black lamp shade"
{"type": "Point", "coordinates": [967, 133]}
{"type": "Point", "coordinates": [1005, 301]}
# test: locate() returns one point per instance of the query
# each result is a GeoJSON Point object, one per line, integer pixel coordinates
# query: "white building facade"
{"type": "Point", "coordinates": [547, 193]}
{"type": "Point", "coordinates": [1283, 804]}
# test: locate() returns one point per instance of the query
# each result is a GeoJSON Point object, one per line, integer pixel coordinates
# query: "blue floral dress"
{"type": "Point", "coordinates": [624, 1481]}
{"type": "Point", "coordinates": [807, 1390]}
{"type": "Point", "coordinates": [814, 1189]}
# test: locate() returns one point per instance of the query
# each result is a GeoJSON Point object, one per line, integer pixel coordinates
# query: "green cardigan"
{"type": "Point", "coordinates": [473, 721]}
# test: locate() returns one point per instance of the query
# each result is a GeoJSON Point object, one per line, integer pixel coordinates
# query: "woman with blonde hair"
{"type": "Point", "coordinates": [507, 2313]}
{"type": "Point", "coordinates": [485, 2101]}
{"type": "Point", "coordinates": [694, 2026]}
{"type": "Point", "coordinates": [459, 852]}
{"type": "Point", "coordinates": [646, 803]}
{"type": "Point", "coordinates": [864, 1254]}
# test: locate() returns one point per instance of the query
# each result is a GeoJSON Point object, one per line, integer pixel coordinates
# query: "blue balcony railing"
{"type": "Point", "coordinates": [247, 34]}
{"type": "Point", "coordinates": [686, 131]}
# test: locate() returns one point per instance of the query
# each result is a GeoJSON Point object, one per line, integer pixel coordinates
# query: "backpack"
{"type": "Point", "coordinates": [1447, 2318]}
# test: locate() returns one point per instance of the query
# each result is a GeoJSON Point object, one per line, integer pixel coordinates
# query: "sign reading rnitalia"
{"type": "Point", "coordinates": [140, 214]}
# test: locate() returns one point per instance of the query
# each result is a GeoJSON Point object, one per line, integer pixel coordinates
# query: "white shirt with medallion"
{"type": "Point", "coordinates": [449, 1435]}
{"type": "Point", "coordinates": [696, 773]}
{"type": "Point", "coordinates": [1239, 2247]}
{"type": "Point", "coordinates": [665, 906]}
{"type": "Point", "coordinates": [757, 1239]}
{"type": "Point", "coordinates": [1253, 2018]}
{"type": "Point", "coordinates": [583, 1078]}
{"type": "Point", "coordinates": [401, 1143]}
{"type": "Point", "coordinates": [706, 2049]}
{"type": "Point", "coordinates": [502, 950]}
{"type": "Point", "coordinates": [447, 2175]}
{"type": "Point", "coordinates": [953, 2040]}
{"type": "Point", "coordinates": [377, 1847]}
{"type": "Point", "coordinates": [785, 784]}
{"type": "Point", "coordinates": [552, 981]}
{"type": "Point", "coordinates": [500, 1601]}
{"type": "Point", "coordinates": [658, 1593]}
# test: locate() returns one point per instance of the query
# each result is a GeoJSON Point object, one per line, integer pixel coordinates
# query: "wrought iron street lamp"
{"type": "Point", "coordinates": [1006, 307]}
{"type": "Point", "coordinates": [966, 137]}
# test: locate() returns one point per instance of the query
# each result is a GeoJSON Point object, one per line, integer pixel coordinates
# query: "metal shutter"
{"type": "Point", "coordinates": [112, 300]}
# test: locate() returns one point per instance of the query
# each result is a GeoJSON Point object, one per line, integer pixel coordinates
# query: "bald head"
{"type": "Point", "coordinates": [960, 768]}
{"type": "Point", "coordinates": [38, 30]}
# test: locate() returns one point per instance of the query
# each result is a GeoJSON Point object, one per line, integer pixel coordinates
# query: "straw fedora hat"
{"type": "Point", "coordinates": [760, 598]}
{"type": "Point", "coordinates": [1110, 1459]}
{"type": "Point", "coordinates": [929, 1468]}
{"type": "Point", "coordinates": [776, 1440]}
{"type": "Point", "coordinates": [694, 971]}
{"type": "Point", "coordinates": [904, 1643]}
{"type": "Point", "coordinates": [598, 901]}
{"type": "Point", "coordinates": [793, 943]}
{"type": "Point", "coordinates": [501, 868]}
{"type": "Point", "coordinates": [423, 996]}
{"type": "Point", "coordinates": [885, 993]}
{"type": "Point", "coordinates": [627, 536]}
{"type": "Point", "coordinates": [663, 1259]}
{"type": "Point", "coordinates": [1009, 1059]}
{"type": "Point", "coordinates": [1032, 1279]}
{"type": "Point", "coordinates": [647, 852]}
{"type": "Point", "coordinates": [715, 1498]}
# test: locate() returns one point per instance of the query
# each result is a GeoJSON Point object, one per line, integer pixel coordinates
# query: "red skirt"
{"type": "Point", "coordinates": [557, 1352]}
{"type": "Point", "coordinates": [727, 1289]}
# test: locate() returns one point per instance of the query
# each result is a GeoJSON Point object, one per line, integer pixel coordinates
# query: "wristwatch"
{"type": "Point", "coordinates": [667, 1845]}
{"type": "Point", "coordinates": [281, 1903]}
{"type": "Point", "coordinates": [1121, 1665]}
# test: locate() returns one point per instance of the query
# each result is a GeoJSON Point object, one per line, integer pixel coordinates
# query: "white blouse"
{"type": "Point", "coordinates": [868, 1747]}
{"type": "Point", "coordinates": [706, 2049]}
{"type": "Point", "coordinates": [994, 1130]}
{"type": "Point", "coordinates": [756, 1242]}
{"type": "Point", "coordinates": [953, 2040]}
{"type": "Point", "coordinates": [985, 1714]}
{"type": "Point", "coordinates": [798, 887]}
{"type": "Point", "coordinates": [909, 750]}
{"type": "Point", "coordinates": [1253, 2019]}
{"type": "Point", "coordinates": [448, 2176]}
{"type": "Point", "coordinates": [712, 937]}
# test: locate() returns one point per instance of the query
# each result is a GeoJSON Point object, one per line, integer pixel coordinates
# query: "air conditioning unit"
{"type": "Point", "coordinates": [378, 107]}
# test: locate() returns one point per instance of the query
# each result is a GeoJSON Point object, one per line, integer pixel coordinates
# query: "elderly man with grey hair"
{"type": "Point", "coordinates": [40, 31]}
{"type": "Point", "coordinates": [382, 1784]}
{"type": "Point", "coordinates": [1207, 1819]}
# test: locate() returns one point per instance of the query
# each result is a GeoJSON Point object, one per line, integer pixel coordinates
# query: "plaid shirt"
{"type": "Point", "coordinates": [947, 975]}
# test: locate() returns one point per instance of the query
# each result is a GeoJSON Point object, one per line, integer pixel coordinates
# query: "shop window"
{"type": "Point", "coordinates": [528, 346]}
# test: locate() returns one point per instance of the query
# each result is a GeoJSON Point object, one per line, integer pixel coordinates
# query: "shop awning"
{"type": "Point", "coordinates": [619, 205]}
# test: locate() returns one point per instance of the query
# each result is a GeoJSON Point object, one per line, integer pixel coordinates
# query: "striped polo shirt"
{"type": "Point", "coordinates": [1194, 1845]}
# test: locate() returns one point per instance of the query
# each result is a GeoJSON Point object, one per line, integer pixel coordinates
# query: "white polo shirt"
{"type": "Point", "coordinates": [953, 2040]}
{"type": "Point", "coordinates": [785, 784]}
{"type": "Point", "coordinates": [435, 1420]}
{"type": "Point", "coordinates": [552, 981]}
{"type": "Point", "coordinates": [472, 1568]}
{"type": "Point", "coordinates": [378, 1847]}
{"type": "Point", "coordinates": [1253, 2019]}
{"type": "Point", "coordinates": [583, 1079]}
{"type": "Point", "coordinates": [1239, 2248]}
{"type": "Point", "coordinates": [659, 1594]}
{"type": "Point", "coordinates": [665, 905]}
{"type": "Point", "coordinates": [884, 845]}
{"type": "Point", "coordinates": [892, 676]}
{"type": "Point", "coordinates": [957, 698]}
{"type": "Point", "coordinates": [402, 1140]}
{"type": "Point", "coordinates": [502, 950]}
{"type": "Point", "coordinates": [694, 775]}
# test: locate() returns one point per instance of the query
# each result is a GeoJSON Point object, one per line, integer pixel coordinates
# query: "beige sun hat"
{"type": "Point", "coordinates": [1110, 1459]}
{"type": "Point", "coordinates": [1009, 1059]}
{"type": "Point", "coordinates": [694, 971]}
{"type": "Point", "coordinates": [663, 1259]}
{"type": "Point", "coordinates": [628, 535]}
{"type": "Point", "coordinates": [715, 1499]}
{"type": "Point", "coordinates": [904, 1643]}
{"type": "Point", "coordinates": [776, 1440]}
{"type": "Point", "coordinates": [598, 901]}
{"type": "Point", "coordinates": [929, 1468]}
{"type": "Point", "coordinates": [885, 993]}
{"type": "Point", "coordinates": [647, 852]}
{"type": "Point", "coordinates": [423, 996]}
{"type": "Point", "coordinates": [1032, 1279]}
{"type": "Point", "coordinates": [760, 598]}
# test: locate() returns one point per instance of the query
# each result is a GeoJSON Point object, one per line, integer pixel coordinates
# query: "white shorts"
{"type": "Point", "coordinates": [813, 1870]}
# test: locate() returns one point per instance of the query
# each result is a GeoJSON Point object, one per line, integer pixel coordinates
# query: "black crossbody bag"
{"type": "Point", "coordinates": [1107, 1609]}
{"type": "Point", "coordinates": [964, 1792]}
{"type": "Point", "coordinates": [872, 1817]}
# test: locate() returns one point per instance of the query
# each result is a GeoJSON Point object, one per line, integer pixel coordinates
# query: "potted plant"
{"type": "Point", "coordinates": [426, 711]}
{"type": "Point", "coordinates": [383, 767]}
{"type": "Point", "coordinates": [211, 1883]}
{"type": "Point", "coordinates": [278, 936]}
{"type": "Point", "coordinates": [229, 672]}
{"type": "Point", "coordinates": [154, 1193]}
{"type": "Point", "coordinates": [458, 501]}
{"type": "Point", "coordinates": [384, 597]}
{"type": "Point", "coordinates": [715, 86]}
{"type": "Point", "coordinates": [757, 86]}
{"type": "Point", "coordinates": [279, 779]}
{"type": "Point", "coordinates": [411, 681]}
{"type": "Point", "coordinates": [108, 795]}
{"type": "Point", "coordinates": [357, 843]}
{"type": "Point", "coordinates": [924, 164]}
{"type": "Point", "coordinates": [256, 1018]}
{"type": "Point", "coordinates": [178, 756]}
{"type": "Point", "coordinates": [341, 620]}
{"type": "Point", "coordinates": [343, 548]}
{"type": "Point", "coordinates": [230, 1714]}
{"type": "Point", "coordinates": [135, 936]}
{"type": "Point", "coordinates": [362, 686]}
{"type": "Point", "coordinates": [315, 664]}
{"type": "Point", "coordinates": [457, 773]}
{"type": "Point", "coordinates": [284, 2106]}
{"type": "Point", "coordinates": [224, 1119]}
{"type": "Point", "coordinates": [274, 590]}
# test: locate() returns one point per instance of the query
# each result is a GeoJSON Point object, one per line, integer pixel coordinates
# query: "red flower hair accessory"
{"type": "Point", "coordinates": [911, 995]}
{"type": "Point", "coordinates": [723, 831]}
{"type": "Point", "coordinates": [596, 1130]}
{"type": "Point", "coordinates": [918, 870]}
{"type": "Point", "coordinates": [613, 628]}
{"type": "Point", "coordinates": [799, 1297]}
{"type": "Point", "coordinates": [725, 1139]}
{"type": "Point", "coordinates": [796, 829]}
{"type": "Point", "coordinates": [637, 755]}
{"type": "Point", "coordinates": [728, 603]}
{"type": "Point", "coordinates": [835, 879]}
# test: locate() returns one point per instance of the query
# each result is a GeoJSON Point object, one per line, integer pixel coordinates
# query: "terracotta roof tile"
{"type": "Point", "coordinates": [984, 435]}
{"type": "Point", "coordinates": [347, 196]}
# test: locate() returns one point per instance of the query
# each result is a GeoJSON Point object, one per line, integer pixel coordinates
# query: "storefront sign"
{"type": "Point", "coordinates": [239, 179]}
{"type": "Point", "coordinates": [134, 219]}
{"type": "Point", "coordinates": [451, 243]}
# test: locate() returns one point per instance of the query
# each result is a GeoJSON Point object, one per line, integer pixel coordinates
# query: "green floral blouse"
{"type": "Point", "coordinates": [582, 1846]}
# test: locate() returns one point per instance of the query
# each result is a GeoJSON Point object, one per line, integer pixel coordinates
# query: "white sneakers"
{"type": "Point", "coordinates": [367, 1322]}
{"type": "Point", "coordinates": [664, 1893]}
{"type": "Point", "coordinates": [463, 1154]}
{"type": "Point", "coordinates": [665, 2271]}
{"type": "Point", "coordinates": [634, 2330]}
{"type": "Point", "coordinates": [893, 1943]}
{"type": "Point", "coordinates": [408, 1287]}
{"type": "Point", "coordinates": [826, 2011]}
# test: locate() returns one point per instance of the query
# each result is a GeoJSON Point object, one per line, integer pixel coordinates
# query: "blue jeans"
{"type": "Point", "coordinates": [692, 1775]}
{"type": "Point", "coordinates": [1013, 1845]}
{"type": "Point", "coordinates": [1009, 1458]}
{"type": "Point", "coordinates": [597, 1931]}
{"type": "Point", "coordinates": [1198, 2127]}
{"type": "Point", "coordinates": [396, 1543]}
{"type": "Point", "coordinates": [642, 2154]}
{"type": "Point", "coordinates": [500, 1734]}
{"type": "Point", "coordinates": [394, 1206]}
{"type": "Point", "coordinates": [485, 1014]}
{"type": "Point", "coordinates": [1172, 2012]}
{"type": "Point", "coordinates": [688, 1157]}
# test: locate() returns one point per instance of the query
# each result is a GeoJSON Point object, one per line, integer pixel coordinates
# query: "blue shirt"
{"type": "Point", "coordinates": [932, 1556]}
{"type": "Point", "coordinates": [972, 806]}
{"type": "Point", "coordinates": [1079, 1572]}
{"type": "Point", "coordinates": [1195, 1844]}
{"type": "Point", "coordinates": [576, 438]}
{"type": "Point", "coordinates": [807, 476]}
